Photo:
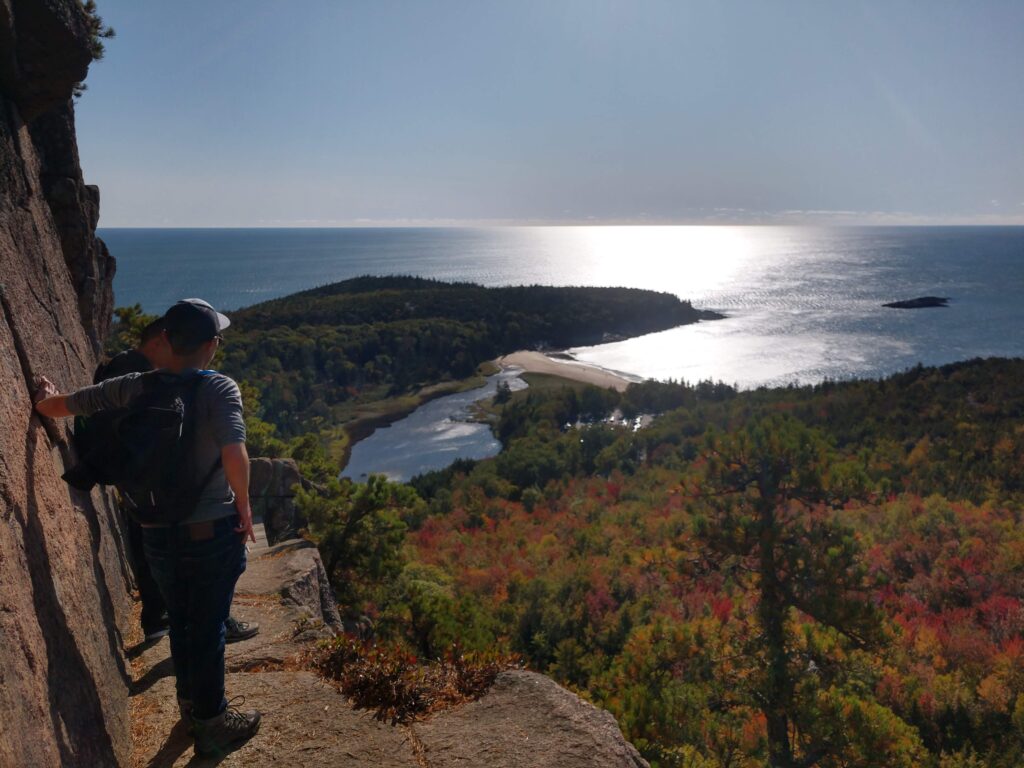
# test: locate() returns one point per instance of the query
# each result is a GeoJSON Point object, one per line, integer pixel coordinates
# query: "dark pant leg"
{"type": "Point", "coordinates": [153, 607]}
{"type": "Point", "coordinates": [162, 548]}
{"type": "Point", "coordinates": [213, 568]}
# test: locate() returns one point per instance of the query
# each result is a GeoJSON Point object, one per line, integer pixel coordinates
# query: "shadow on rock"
{"type": "Point", "coordinates": [177, 742]}
{"type": "Point", "coordinates": [140, 648]}
{"type": "Point", "coordinates": [159, 671]}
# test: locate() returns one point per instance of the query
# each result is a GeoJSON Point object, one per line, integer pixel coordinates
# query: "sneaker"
{"type": "Point", "coordinates": [235, 630]}
{"type": "Point", "coordinates": [221, 734]}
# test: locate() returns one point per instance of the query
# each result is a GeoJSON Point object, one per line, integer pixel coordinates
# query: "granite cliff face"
{"type": "Point", "coordinates": [63, 681]}
{"type": "Point", "coordinates": [75, 207]}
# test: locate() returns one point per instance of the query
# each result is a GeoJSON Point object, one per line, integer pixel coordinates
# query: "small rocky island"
{"type": "Point", "coordinates": [921, 302]}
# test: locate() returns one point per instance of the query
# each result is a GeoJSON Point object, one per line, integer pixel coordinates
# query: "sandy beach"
{"type": "Point", "coordinates": [538, 362]}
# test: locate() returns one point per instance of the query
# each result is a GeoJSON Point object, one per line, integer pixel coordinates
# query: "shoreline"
{"type": "Point", "coordinates": [567, 367]}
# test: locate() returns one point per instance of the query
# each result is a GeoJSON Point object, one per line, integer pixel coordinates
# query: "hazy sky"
{"type": "Point", "coordinates": [334, 112]}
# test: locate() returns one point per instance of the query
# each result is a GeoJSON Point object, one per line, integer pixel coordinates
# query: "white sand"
{"type": "Point", "coordinates": [538, 362]}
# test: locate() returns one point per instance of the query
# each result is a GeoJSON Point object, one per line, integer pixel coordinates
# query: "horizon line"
{"type": "Point", "coordinates": [836, 222]}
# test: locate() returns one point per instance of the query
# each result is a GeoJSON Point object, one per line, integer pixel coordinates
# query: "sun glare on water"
{"type": "Point", "coordinates": [691, 261]}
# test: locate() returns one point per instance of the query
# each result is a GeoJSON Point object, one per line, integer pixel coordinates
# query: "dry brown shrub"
{"type": "Point", "coordinates": [396, 686]}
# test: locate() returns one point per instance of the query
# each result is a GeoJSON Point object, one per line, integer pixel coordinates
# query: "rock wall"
{"type": "Point", "coordinates": [63, 680]}
{"type": "Point", "coordinates": [75, 206]}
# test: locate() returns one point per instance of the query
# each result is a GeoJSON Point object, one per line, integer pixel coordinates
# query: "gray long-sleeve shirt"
{"type": "Point", "coordinates": [218, 423]}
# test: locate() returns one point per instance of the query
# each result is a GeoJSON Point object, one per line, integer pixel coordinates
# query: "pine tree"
{"type": "Point", "coordinates": [766, 514]}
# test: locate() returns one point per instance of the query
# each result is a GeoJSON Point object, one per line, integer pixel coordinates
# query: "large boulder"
{"type": "Point", "coordinates": [526, 720]}
{"type": "Point", "coordinates": [285, 584]}
{"type": "Point", "coordinates": [272, 485]}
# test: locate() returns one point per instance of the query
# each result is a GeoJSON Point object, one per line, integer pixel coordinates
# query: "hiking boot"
{"type": "Point", "coordinates": [228, 730]}
{"type": "Point", "coordinates": [235, 630]}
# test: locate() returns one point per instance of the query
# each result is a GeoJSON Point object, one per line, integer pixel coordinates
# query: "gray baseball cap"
{"type": "Point", "coordinates": [194, 320]}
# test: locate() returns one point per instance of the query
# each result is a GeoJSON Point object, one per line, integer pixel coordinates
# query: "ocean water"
{"type": "Point", "coordinates": [803, 304]}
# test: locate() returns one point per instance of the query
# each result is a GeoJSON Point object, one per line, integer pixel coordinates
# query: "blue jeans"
{"type": "Point", "coordinates": [197, 580]}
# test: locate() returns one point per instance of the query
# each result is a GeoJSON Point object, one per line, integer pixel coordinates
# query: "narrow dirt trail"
{"type": "Point", "coordinates": [305, 721]}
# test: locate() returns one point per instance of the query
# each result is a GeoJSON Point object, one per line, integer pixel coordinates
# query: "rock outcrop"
{"type": "Point", "coordinates": [271, 492]}
{"type": "Point", "coordinates": [921, 302]}
{"type": "Point", "coordinates": [45, 50]}
{"type": "Point", "coordinates": [63, 680]}
{"type": "Point", "coordinates": [75, 206]}
{"type": "Point", "coordinates": [525, 720]}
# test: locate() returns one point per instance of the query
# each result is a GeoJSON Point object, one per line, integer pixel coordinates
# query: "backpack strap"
{"type": "Point", "coordinates": [193, 382]}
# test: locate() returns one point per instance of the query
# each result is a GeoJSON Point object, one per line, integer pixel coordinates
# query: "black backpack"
{"type": "Point", "coordinates": [148, 450]}
{"type": "Point", "coordinates": [94, 438]}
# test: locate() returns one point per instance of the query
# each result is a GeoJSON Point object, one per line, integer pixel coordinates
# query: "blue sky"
{"type": "Point", "coordinates": [339, 112]}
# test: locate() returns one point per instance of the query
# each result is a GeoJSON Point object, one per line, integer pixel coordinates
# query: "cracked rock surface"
{"type": "Point", "coordinates": [64, 597]}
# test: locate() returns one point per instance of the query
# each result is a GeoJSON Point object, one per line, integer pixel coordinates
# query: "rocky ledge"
{"type": "Point", "coordinates": [524, 720]}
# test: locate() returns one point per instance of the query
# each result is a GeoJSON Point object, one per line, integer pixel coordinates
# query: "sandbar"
{"type": "Point", "coordinates": [538, 362]}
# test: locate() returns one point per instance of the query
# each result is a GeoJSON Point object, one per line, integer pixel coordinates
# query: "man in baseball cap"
{"type": "Point", "coordinates": [197, 561]}
{"type": "Point", "coordinates": [193, 322]}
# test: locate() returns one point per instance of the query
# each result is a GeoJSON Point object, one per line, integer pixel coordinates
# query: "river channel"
{"type": "Point", "coordinates": [431, 437]}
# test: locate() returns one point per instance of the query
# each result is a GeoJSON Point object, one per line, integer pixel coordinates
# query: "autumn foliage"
{"type": "Point", "coordinates": [820, 576]}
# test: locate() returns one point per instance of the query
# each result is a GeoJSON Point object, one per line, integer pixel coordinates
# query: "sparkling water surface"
{"type": "Point", "coordinates": [803, 303]}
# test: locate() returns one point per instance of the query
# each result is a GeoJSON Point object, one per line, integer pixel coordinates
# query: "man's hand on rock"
{"type": "Point", "coordinates": [48, 401]}
{"type": "Point", "coordinates": [44, 389]}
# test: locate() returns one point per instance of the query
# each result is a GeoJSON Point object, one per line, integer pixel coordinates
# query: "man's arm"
{"type": "Point", "coordinates": [48, 401]}
{"type": "Point", "coordinates": [112, 393]}
{"type": "Point", "coordinates": [235, 459]}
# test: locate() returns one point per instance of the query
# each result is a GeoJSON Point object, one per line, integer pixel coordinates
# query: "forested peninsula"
{"type": "Point", "coordinates": [339, 360]}
{"type": "Point", "coordinates": [365, 351]}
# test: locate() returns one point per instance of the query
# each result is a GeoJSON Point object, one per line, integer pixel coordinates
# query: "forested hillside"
{"type": "Point", "coordinates": [825, 576]}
